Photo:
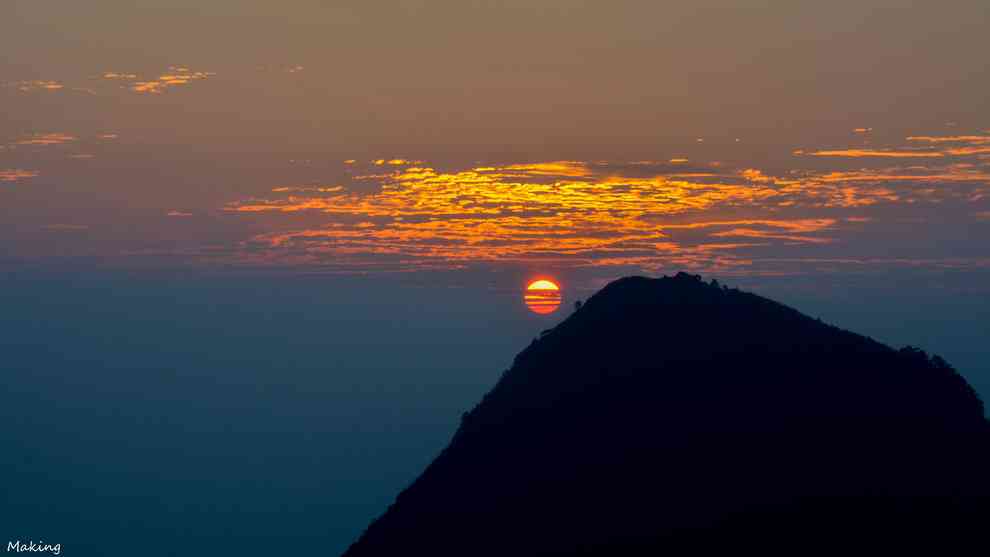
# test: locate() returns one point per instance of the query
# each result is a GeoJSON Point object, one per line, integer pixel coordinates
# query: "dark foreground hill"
{"type": "Point", "coordinates": [674, 415]}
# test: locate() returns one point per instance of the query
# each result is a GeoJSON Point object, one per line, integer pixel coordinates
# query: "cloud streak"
{"type": "Point", "coordinates": [45, 139]}
{"type": "Point", "coordinates": [933, 146]}
{"type": "Point", "coordinates": [16, 174]}
{"type": "Point", "coordinates": [36, 85]}
{"type": "Point", "coordinates": [873, 153]}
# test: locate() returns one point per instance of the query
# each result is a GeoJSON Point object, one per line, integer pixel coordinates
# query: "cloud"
{"type": "Point", "coordinates": [583, 212]}
{"type": "Point", "coordinates": [974, 139]}
{"type": "Point", "coordinates": [45, 85]}
{"type": "Point", "coordinates": [175, 76]}
{"type": "Point", "coordinates": [756, 233]}
{"type": "Point", "coordinates": [857, 153]}
{"type": "Point", "coordinates": [399, 214]}
{"type": "Point", "coordinates": [119, 75]}
{"type": "Point", "coordinates": [795, 225]}
{"type": "Point", "coordinates": [935, 146]}
{"type": "Point", "coordinates": [556, 168]}
{"type": "Point", "coordinates": [974, 150]}
{"type": "Point", "coordinates": [16, 174]}
{"type": "Point", "coordinates": [301, 189]}
{"type": "Point", "coordinates": [36, 85]}
{"type": "Point", "coordinates": [46, 139]}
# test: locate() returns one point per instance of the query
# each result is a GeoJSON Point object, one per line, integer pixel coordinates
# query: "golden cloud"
{"type": "Point", "coordinates": [577, 211]}
{"type": "Point", "coordinates": [645, 214]}
{"type": "Point", "coordinates": [556, 168]}
{"type": "Point", "coordinates": [175, 76]}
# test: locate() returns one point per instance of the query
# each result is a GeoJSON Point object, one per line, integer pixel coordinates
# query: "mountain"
{"type": "Point", "coordinates": [676, 415]}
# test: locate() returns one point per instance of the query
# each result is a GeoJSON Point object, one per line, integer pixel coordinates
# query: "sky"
{"type": "Point", "coordinates": [256, 258]}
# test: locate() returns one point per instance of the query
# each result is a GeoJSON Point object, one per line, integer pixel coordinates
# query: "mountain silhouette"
{"type": "Point", "coordinates": [676, 415]}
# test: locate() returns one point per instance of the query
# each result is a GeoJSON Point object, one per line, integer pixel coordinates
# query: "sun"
{"type": "Point", "coordinates": [542, 296]}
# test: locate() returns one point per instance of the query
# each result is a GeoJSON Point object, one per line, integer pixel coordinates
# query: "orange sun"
{"type": "Point", "coordinates": [542, 296]}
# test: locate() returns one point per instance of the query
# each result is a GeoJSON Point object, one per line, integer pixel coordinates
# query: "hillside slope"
{"type": "Point", "coordinates": [671, 413]}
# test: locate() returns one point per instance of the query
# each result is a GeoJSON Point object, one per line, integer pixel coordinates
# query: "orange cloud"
{"type": "Point", "coordinates": [46, 139]}
{"type": "Point", "coordinates": [176, 75]}
{"type": "Point", "coordinates": [16, 174]}
{"type": "Point", "coordinates": [793, 225]}
{"type": "Point", "coordinates": [974, 150]}
{"type": "Point", "coordinates": [873, 153]}
{"type": "Point", "coordinates": [971, 145]}
{"type": "Point", "coordinates": [950, 138]}
{"type": "Point", "coordinates": [557, 168]}
{"type": "Point", "coordinates": [643, 214]}
{"type": "Point", "coordinates": [754, 233]}
{"type": "Point", "coordinates": [592, 213]}
{"type": "Point", "coordinates": [754, 175]}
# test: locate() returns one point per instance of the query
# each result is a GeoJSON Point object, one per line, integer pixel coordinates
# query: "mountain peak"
{"type": "Point", "coordinates": [667, 409]}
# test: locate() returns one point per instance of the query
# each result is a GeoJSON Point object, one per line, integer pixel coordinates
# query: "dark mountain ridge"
{"type": "Point", "coordinates": [672, 413]}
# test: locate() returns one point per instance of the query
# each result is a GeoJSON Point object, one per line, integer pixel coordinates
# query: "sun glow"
{"type": "Point", "coordinates": [542, 296]}
{"type": "Point", "coordinates": [542, 285]}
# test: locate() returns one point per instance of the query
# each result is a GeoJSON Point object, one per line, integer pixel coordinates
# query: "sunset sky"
{"type": "Point", "coordinates": [213, 213]}
{"type": "Point", "coordinates": [383, 136]}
